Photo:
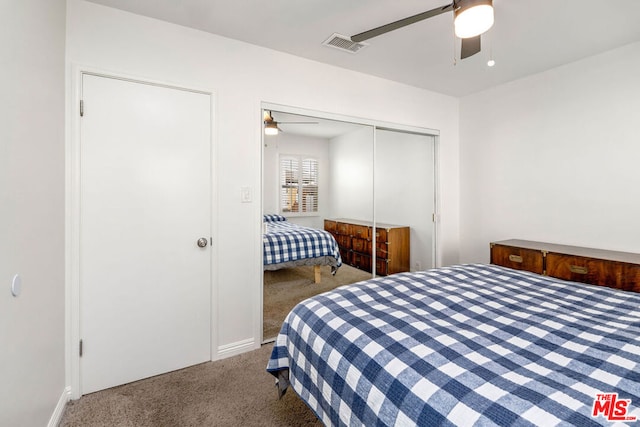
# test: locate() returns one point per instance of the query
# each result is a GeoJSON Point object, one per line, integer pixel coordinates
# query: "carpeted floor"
{"type": "Point", "coordinates": [283, 289]}
{"type": "Point", "coordinates": [232, 392]}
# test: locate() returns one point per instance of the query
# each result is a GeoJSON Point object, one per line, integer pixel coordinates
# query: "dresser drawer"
{"type": "Point", "coordinates": [360, 261]}
{"type": "Point", "coordinates": [630, 277]}
{"type": "Point", "coordinates": [355, 240]}
{"type": "Point", "coordinates": [620, 270]}
{"type": "Point", "coordinates": [330, 226]}
{"type": "Point", "coordinates": [382, 267]}
{"type": "Point", "coordinates": [381, 234]}
{"type": "Point", "coordinates": [361, 245]}
{"type": "Point", "coordinates": [517, 258]}
{"type": "Point", "coordinates": [343, 228]}
{"type": "Point", "coordinates": [344, 242]}
{"type": "Point", "coordinates": [361, 231]}
{"type": "Point", "coordinates": [586, 270]}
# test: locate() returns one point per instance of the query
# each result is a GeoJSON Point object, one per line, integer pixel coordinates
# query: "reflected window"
{"type": "Point", "coordinates": [298, 184]}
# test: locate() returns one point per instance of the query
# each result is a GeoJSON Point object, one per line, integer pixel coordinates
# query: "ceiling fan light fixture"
{"type": "Point", "coordinates": [472, 17]}
{"type": "Point", "coordinates": [270, 129]}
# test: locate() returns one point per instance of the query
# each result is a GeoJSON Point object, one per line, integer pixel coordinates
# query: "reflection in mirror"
{"type": "Point", "coordinates": [315, 170]}
{"type": "Point", "coordinates": [404, 201]}
{"type": "Point", "coordinates": [318, 186]}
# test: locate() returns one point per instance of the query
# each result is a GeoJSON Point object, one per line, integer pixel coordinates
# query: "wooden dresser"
{"type": "Point", "coordinates": [355, 239]}
{"type": "Point", "coordinates": [619, 270]}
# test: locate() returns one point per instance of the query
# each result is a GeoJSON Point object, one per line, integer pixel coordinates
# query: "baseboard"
{"type": "Point", "coordinates": [235, 348]}
{"type": "Point", "coordinates": [56, 417]}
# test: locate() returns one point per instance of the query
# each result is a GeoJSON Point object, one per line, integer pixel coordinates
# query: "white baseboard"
{"type": "Point", "coordinates": [56, 417]}
{"type": "Point", "coordinates": [235, 348]}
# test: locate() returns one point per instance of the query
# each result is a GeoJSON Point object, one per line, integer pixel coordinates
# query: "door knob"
{"type": "Point", "coordinates": [202, 242]}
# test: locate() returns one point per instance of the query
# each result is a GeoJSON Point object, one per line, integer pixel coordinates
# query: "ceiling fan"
{"type": "Point", "coordinates": [471, 19]}
{"type": "Point", "coordinates": [271, 126]}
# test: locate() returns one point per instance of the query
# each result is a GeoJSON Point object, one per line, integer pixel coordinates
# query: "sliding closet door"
{"type": "Point", "coordinates": [340, 188]}
{"type": "Point", "coordinates": [351, 175]}
{"type": "Point", "coordinates": [351, 198]}
{"type": "Point", "coordinates": [405, 190]}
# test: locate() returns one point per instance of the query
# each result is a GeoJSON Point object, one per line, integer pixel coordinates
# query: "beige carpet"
{"type": "Point", "coordinates": [283, 289]}
{"type": "Point", "coordinates": [231, 392]}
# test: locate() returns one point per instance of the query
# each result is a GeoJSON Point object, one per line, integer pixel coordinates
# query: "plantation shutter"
{"type": "Point", "coordinates": [298, 184]}
{"type": "Point", "coordinates": [309, 185]}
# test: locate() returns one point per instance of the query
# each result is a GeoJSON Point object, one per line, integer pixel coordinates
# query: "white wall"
{"type": "Point", "coordinates": [287, 143]}
{"type": "Point", "coordinates": [32, 185]}
{"type": "Point", "coordinates": [125, 43]}
{"type": "Point", "coordinates": [554, 157]}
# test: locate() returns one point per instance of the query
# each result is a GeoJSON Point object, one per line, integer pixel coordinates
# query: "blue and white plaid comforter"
{"type": "Point", "coordinates": [286, 242]}
{"type": "Point", "coordinates": [465, 345]}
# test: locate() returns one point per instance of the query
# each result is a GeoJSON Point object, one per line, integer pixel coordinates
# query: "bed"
{"type": "Point", "coordinates": [290, 245]}
{"type": "Point", "coordinates": [464, 345]}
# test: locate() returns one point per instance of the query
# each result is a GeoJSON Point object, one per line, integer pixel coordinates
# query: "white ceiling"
{"type": "Point", "coordinates": [529, 36]}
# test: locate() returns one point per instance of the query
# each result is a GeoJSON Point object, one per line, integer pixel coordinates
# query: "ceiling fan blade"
{"type": "Point", "coordinates": [470, 47]}
{"type": "Point", "coordinates": [366, 35]}
{"type": "Point", "coordinates": [298, 123]}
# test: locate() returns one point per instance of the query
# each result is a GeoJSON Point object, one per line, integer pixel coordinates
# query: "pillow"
{"type": "Point", "coordinates": [273, 218]}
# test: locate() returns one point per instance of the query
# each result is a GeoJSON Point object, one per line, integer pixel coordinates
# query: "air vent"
{"type": "Point", "coordinates": [343, 43]}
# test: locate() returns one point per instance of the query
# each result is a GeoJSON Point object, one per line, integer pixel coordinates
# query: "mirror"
{"type": "Point", "coordinates": [319, 175]}
{"type": "Point", "coordinates": [405, 200]}
{"type": "Point", "coordinates": [315, 171]}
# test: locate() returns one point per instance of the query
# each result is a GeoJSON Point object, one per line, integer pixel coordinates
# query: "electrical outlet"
{"type": "Point", "coordinates": [417, 266]}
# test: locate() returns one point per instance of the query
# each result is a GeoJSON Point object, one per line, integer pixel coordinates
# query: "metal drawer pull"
{"type": "Point", "coordinates": [515, 258]}
{"type": "Point", "coordinates": [578, 270]}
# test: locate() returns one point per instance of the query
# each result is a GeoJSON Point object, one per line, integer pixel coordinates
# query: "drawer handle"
{"type": "Point", "coordinates": [515, 258]}
{"type": "Point", "coordinates": [578, 269]}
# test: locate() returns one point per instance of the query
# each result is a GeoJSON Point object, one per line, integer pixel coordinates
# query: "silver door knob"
{"type": "Point", "coordinates": [202, 242]}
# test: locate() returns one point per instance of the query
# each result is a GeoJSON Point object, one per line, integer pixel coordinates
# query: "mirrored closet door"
{"type": "Point", "coordinates": [404, 201]}
{"type": "Point", "coordinates": [369, 189]}
{"type": "Point", "coordinates": [317, 172]}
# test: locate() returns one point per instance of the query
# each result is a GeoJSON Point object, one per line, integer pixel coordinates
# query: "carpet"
{"type": "Point", "coordinates": [232, 392]}
{"type": "Point", "coordinates": [285, 288]}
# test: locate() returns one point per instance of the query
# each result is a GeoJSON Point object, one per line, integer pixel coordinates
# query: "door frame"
{"type": "Point", "coordinates": [375, 124]}
{"type": "Point", "coordinates": [73, 327]}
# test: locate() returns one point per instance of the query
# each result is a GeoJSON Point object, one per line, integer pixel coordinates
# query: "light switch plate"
{"type": "Point", "coordinates": [246, 195]}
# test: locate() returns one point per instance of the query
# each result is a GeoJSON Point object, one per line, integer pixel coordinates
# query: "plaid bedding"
{"type": "Point", "coordinates": [285, 242]}
{"type": "Point", "coordinates": [272, 218]}
{"type": "Point", "coordinates": [465, 345]}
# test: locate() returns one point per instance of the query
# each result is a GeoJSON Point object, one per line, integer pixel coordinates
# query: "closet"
{"type": "Point", "coordinates": [370, 173]}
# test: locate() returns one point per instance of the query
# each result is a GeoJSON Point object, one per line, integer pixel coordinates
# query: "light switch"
{"type": "Point", "coordinates": [245, 195]}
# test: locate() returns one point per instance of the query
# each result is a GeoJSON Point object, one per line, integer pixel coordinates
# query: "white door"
{"type": "Point", "coordinates": [145, 200]}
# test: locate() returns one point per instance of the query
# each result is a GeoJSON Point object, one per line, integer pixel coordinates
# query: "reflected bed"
{"type": "Point", "coordinates": [288, 245]}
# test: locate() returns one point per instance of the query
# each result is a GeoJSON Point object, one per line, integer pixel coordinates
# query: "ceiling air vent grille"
{"type": "Point", "coordinates": [344, 43]}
